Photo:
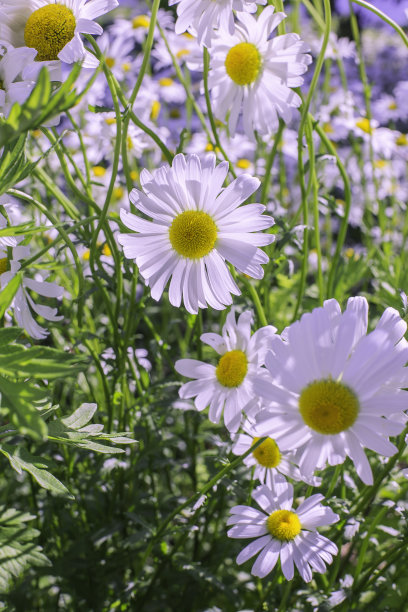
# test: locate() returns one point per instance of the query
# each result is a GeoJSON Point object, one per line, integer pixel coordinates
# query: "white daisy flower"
{"type": "Point", "coordinates": [53, 27]}
{"type": "Point", "coordinates": [23, 304]}
{"type": "Point", "coordinates": [201, 16]}
{"type": "Point", "coordinates": [334, 389]}
{"type": "Point", "coordinates": [227, 386]}
{"type": "Point", "coordinates": [18, 74]}
{"type": "Point", "coordinates": [251, 72]}
{"type": "Point", "coordinates": [284, 533]}
{"type": "Point", "coordinates": [197, 225]}
{"type": "Point", "coordinates": [268, 459]}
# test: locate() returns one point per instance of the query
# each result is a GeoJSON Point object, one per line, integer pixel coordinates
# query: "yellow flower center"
{"type": "Point", "coordinates": [267, 453]}
{"type": "Point", "coordinates": [392, 106]}
{"type": "Point", "coordinates": [380, 163]}
{"type": "Point", "coordinates": [141, 21]}
{"type": "Point", "coordinates": [193, 234]}
{"type": "Point", "coordinates": [110, 61]}
{"type": "Point", "coordinates": [243, 163]}
{"type": "Point", "coordinates": [118, 193]}
{"type": "Point", "coordinates": [49, 29]}
{"type": "Point", "coordinates": [166, 82]}
{"type": "Point", "coordinates": [364, 124]}
{"type": "Point", "coordinates": [283, 524]}
{"type": "Point", "coordinates": [3, 265]}
{"type": "Point", "coordinates": [243, 63]}
{"type": "Point", "coordinates": [182, 53]}
{"type": "Point", "coordinates": [402, 140]}
{"type": "Point", "coordinates": [110, 120]}
{"type": "Point", "coordinates": [154, 113]}
{"type": "Point", "coordinates": [99, 171]}
{"type": "Point", "coordinates": [328, 407]}
{"type": "Point", "coordinates": [232, 368]}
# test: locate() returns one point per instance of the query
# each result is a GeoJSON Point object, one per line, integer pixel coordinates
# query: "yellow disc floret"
{"type": "Point", "coordinates": [193, 234]}
{"type": "Point", "coordinates": [232, 368]}
{"type": "Point", "coordinates": [283, 525]}
{"type": "Point", "coordinates": [3, 265]}
{"type": "Point", "coordinates": [49, 29]}
{"type": "Point", "coordinates": [243, 63]}
{"type": "Point", "coordinates": [328, 407]}
{"type": "Point", "coordinates": [141, 21]}
{"type": "Point", "coordinates": [267, 454]}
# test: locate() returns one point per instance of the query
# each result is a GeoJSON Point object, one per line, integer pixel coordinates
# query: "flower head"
{"type": "Point", "coordinates": [282, 532]}
{"type": "Point", "coordinates": [334, 389]}
{"type": "Point", "coordinates": [23, 303]}
{"type": "Point", "coordinates": [53, 27]}
{"type": "Point", "coordinates": [201, 17]}
{"type": "Point", "coordinates": [197, 225]}
{"type": "Point", "coordinates": [269, 460]}
{"type": "Point", "coordinates": [228, 385]}
{"type": "Point", "coordinates": [253, 73]}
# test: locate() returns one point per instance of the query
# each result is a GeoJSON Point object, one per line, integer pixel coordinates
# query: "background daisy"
{"type": "Point", "coordinates": [251, 73]}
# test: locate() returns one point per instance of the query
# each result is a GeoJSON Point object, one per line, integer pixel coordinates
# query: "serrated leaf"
{"type": "Point", "coordinates": [80, 417]}
{"type": "Point", "coordinates": [100, 448]}
{"type": "Point", "coordinates": [8, 335]}
{"type": "Point", "coordinates": [18, 549]}
{"type": "Point", "coordinates": [20, 399]}
{"type": "Point", "coordinates": [20, 459]}
{"type": "Point", "coordinates": [40, 362]}
{"type": "Point", "coordinates": [7, 294]}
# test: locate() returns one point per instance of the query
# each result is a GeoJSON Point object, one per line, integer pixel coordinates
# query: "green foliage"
{"type": "Point", "coordinates": [22, 371]}
{"type": "Point", "coordinates": [19, 551]}
{"type": "Point", "coordinates": [44, 103]}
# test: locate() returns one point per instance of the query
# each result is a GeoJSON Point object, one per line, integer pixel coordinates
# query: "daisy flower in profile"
{"type": "Point", "coordinates": [53, 27]}
{"type": "Point", "coordinates": [23, 303]}
{"type": "Point", "coordinates": [334, 389]}
{"type": "Point", "coordinates": [197, 226]}
{"type": "Point", "coordinates": [281, 532]}
{"type": "Point", "coordinates": [269, 461]}
{"type": "Point", "coordinates": [253, 73]}
{"type": "Point", "coordinates": [202, 16]}
{"type": "Point", "coordinates": [228, 385]}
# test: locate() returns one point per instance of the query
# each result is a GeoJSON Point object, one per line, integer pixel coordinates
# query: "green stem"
{"type": "Point", "coordinates": [191, 500]}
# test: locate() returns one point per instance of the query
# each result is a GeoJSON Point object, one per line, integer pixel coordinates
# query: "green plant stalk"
{"type": "Point", "coordinates": [269, 163]}
{"type": "Point", "coordinates": [384, 17]}
{"type": "Point", "coordinates": [315, 201]}
{"type": "Point", "coordinates": [206, 59]}
{"type": "Point", "coordinates": [191, 500]}
{"type": "Point", "coordinates": [81, 283]}
{"type": "Point", "coordinates": [347, 199]}
{"type": "Point", "coordinates": [256, 300]}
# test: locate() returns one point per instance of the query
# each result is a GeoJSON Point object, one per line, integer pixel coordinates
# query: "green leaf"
{"type": "Point", "coordinates": [40, 362]}
{"type": "Point", "coordinates": [80, 417]}
{"type": "Point", "coordinates": [75, 430]}
{"type": "Point", "coordinates": [18, 548]}
{"type": "Point", "coordinates": [20, 459]}
{"type": "Point", "coordinates": [8, 293]}
{"type": "Point", "coordinates": [43, 103]}
{"type": "Point", "coordinates": [20, 399]}
{"type": "Point", "coordinates": [9, 334]}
